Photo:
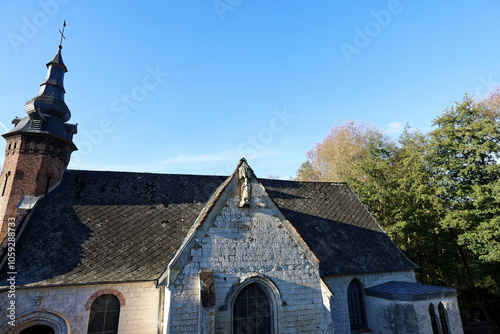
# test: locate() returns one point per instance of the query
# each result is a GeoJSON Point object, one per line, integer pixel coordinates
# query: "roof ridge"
{"type": "Point", "coordinates": [203, 175]}
{"type": "Point", "coordinates": [141, 173]}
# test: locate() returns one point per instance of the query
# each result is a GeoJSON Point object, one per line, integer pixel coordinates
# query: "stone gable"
{"type": "Point", "coordinates": [245, 243]}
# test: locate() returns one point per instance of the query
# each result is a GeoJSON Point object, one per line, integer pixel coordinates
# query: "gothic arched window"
{"type": "Point", "coordinates": [434, 324]}
{"type": "Point", "coordinates": [252, 311]}
{"type": "Point", "coordinates": [442, 318]}
{"type": "Point", "coordinates": [355, 299]}
{"type": "Point", "coordinates": [104, 314]}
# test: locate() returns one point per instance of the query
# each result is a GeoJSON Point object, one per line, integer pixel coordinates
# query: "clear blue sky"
{"type": "Point", "coordinates": [191, 86]}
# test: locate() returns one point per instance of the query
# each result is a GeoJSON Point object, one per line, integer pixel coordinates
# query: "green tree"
{"type": "Point", "coordinates": [397, 190]}
{"type": "Point", "coordinates": [463, 155]}
{"type": "Point", "coordinates": [437, 195]}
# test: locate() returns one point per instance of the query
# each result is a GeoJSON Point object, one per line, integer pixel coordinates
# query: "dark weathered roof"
{"type": "Point", "coordinates": [337, 227]}
{"type": "Point", "coordinates": [116, 226]}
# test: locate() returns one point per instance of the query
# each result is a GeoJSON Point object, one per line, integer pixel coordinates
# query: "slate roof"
{"type": "Point", "coordinates": [337, 227]}
{"type": "Point", "coordinates": [409, 291]}
{"type": "Point", "coordinates": [98, 227]}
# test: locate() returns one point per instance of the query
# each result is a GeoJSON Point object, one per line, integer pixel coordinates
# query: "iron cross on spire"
{"type": "Point", "coordinates": [62, 34]}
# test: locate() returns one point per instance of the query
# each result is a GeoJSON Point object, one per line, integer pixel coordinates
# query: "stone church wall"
{"type": "Point", "coordinates": [246, 243]}
{"type": "Point", "coordinates": [390, 316]}
{"type": "Point", "coordinates": [338, 285]}
{"type": "Point", "coordinates": [71, 305]}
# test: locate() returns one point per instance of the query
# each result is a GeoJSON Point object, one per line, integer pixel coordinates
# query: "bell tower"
{"type": "Point", "coordinates": [39, 147]}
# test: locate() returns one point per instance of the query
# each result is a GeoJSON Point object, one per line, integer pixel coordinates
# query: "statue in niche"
{"type": "Point", "coordinates": [246, 188]}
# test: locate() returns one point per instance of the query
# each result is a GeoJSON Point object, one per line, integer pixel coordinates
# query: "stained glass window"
{"type": "Point", "coordinates": [252, 311]}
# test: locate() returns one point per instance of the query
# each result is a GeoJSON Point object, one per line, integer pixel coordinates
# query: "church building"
{"type": "Point", "coordinates": [122, 252]}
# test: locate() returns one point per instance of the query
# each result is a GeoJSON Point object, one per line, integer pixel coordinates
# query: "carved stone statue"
{"type": "Point", "coordinates": [246, 188]}
{"type": "Point", "coordinates": [245, 193]}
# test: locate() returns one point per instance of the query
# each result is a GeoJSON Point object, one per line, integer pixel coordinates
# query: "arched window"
{"type": "Point", "coordinates": [38, 329]}
{"type": "Point", "coordinates": [104, 314]}
{"type": "Point", "coordinates": [252, 311]}
{"type": "Point", "coordinates": [432, 314]}
{"type": "Point", "coordinates": [442, 318]}
{"type": "Point", "coordinates": [355, 299]}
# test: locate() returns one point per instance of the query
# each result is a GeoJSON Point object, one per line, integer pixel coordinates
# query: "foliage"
{"type": "Point", "coordinates": [464, 153]}
{"type": "Point", "coordinates": [340, 153]}
{"type": "Point", "coordinates": [490, 106]}
{"type": "Point", "coordinates": [437, 195]}
{"type": "Point", "coordinates": [398, 191]}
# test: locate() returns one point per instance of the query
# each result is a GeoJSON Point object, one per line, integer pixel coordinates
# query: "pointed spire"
{"type": "Point", "coordinates": [47, 112]}
{"type": "Point", "coordinates": [50, 98]}
{"type": "Point", "coordinates": [57, 60]}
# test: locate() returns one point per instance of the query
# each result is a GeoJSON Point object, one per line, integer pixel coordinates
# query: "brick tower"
{"type": "Point", "coordinates": [39, 147]}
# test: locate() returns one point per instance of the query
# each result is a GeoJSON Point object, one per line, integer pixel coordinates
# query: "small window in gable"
{"type": "Point", "coordinates": [442, 318]}
{"type": "Point", "coordinates": [355, 299]}
{"type": "Point", "coordinates": [104, 314]}
{"type": "Point", "coordinates": [434, 324]}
